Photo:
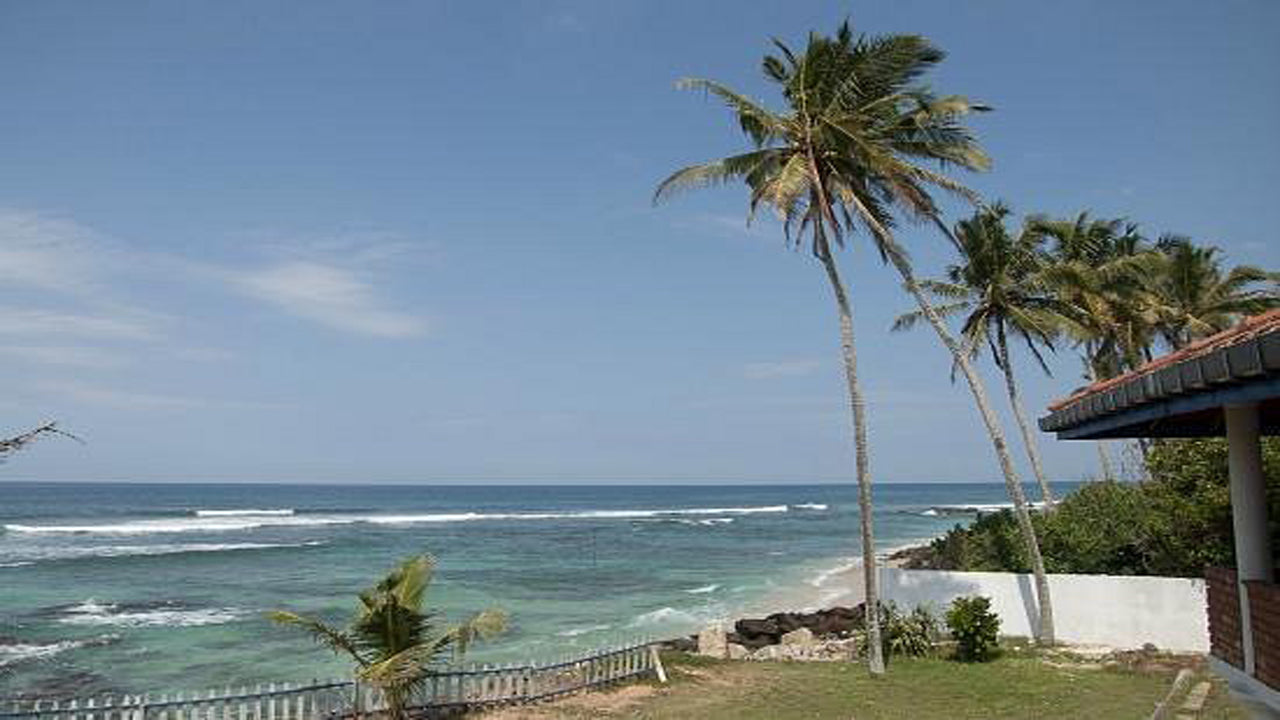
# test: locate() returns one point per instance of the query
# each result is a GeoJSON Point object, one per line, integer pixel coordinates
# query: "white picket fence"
{"type": "Point", "coordinates": [476, 686]}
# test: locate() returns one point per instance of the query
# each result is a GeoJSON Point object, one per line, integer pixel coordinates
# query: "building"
{"type": "Point", "coordinates": [1224, 385]}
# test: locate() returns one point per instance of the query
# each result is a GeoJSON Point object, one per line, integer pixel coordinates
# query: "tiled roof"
{"type": "Point", "coordinates": [1248, 350]}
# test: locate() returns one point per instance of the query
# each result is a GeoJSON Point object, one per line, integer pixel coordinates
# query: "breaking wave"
{"type": "Point", "coordinates": [664, 616]}
{"type": "Point", "coordinates": [575, 632]}
{"type": "Point", "coordinates": [90, 612]}
{"type": "Point", "coordinates": [115, 551]}
{"type": "Point", "coordinates": [20, 652]}
{"type": "Point", "coordinates": [223, 523]}
{"type": "Point", "coordinates": [972, 509]}
{"type": "Point", "coordinates": [287, 512]}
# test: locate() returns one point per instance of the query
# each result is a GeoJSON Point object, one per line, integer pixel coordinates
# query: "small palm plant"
{"type": "Point", "coordinates": [393, 639]}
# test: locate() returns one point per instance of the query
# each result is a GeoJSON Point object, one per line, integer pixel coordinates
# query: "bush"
{"type": "Point", "coordinates": [1174, 524]}
{"type": "Point", "coordinates": [975, 628]}
{"type": "Point", "coordinates": [911, 634]}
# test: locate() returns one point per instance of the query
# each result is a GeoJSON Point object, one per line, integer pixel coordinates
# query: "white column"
{"type": "Point", "coordinates": [1248, 512]}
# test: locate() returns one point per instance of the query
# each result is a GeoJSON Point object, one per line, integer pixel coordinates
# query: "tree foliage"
{"type": "Point", "coordinates": [975, 628]}
{"type": "Point", "coordinates": [20, 442]}
{"type": "Point", "coordinates": [393, 639]}
{"type": "Point", "coordinates": [1174, 524]}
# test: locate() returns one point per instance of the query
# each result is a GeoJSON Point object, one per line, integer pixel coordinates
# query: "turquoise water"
{"type": "Point", "coordinates": [132, 588]}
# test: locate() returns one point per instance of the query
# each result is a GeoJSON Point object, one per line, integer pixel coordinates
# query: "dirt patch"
{"type": "Point", "coordinates": [585, 704]}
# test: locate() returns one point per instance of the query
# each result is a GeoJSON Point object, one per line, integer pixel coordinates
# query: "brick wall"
{"type": "Point", "coordinates": [1264, 617]}
{"type": "Point", "coordinates": [1224, 615]}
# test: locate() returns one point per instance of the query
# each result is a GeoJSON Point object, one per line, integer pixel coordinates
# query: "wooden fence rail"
{"type": "Point", "coordinates": [454, 688]}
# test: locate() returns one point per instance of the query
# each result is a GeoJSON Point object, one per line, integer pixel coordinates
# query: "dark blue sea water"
{"type": "Point", "coordinates": [132, 588]}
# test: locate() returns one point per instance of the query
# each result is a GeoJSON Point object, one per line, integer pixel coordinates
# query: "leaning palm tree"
{"type": "Point", "coordinates": [1198, 299]}
{"type": "Point", "coordinates": [394, 641]}
{"type": "Point", "coordinates": [843, 155]}
{"type": "Point", "coordinates": [998, 286]}
{"type": "Point", "coordinates": [1098, 270]}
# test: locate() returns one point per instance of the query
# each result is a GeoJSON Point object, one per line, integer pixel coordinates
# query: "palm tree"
{"type": "Point", "coordinates": [1197, 299]}
{"type": "Point", "coordinates": [393, 639]}
{"type": "Point", "coordinates": [998, 286]}
{"type": "Point", "coordinates": [842, 156]}
{"type": "Point", "coordinates": [18, 442]}
{"type": "Point", "coordinates": [1099, 270]}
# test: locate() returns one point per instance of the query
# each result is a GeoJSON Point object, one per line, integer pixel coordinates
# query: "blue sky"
{"type": "Point", "coordinates": [413, 241]}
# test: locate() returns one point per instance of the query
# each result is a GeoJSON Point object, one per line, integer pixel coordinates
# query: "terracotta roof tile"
{"type": "Point", "coordinates": [1243, 331]}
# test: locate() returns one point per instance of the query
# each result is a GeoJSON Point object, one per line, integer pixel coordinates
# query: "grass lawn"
{"type": "Point", "coordinates": [1021, 684]}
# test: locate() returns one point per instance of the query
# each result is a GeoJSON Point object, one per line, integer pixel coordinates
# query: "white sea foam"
{"type": "Point", "coordinates": [973, 508]}
{"type": "Point", "coordinates": [19, 652]}
{"type": "Point", "coordinates": [91, 612]}
{"type": "Point", "coordinates": [810, 506]}
{"type": "Point", "coordinates": [113, 551]}
{"type": "Point", "coordinates": [825, 576]}
{"type": "Point", "coordinates": [575, 632]}
{"type": "Point", "coordinates": [248, 522]}
{"type": "Point", "coordinates": [664, 616]}
{"type": "Point", "coordinates": [18, 564]}
{"type": "Point", "coordinates": [174, 525]}
{"type": "Point", "coordinates": [703, 590]}
{"type": "Point", "coordinates": [286, 512]}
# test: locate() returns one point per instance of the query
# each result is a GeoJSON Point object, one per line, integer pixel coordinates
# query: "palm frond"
{"type": "Point", "coordinates": [716, 172]}
{"type": "Point", "coordinates": [333, 638]}
{"type": "Point", "coordinates": [761, 125]}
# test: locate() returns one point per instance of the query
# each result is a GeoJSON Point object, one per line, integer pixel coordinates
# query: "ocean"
{"type": "Point", "coordinates": [130, 588]}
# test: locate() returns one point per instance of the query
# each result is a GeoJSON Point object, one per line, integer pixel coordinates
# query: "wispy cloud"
{"type": "Point", "coordinates": [63, 355]}
{"type": "Point", "coordinates": [49, 253]}
{"type": "Point", "coordinates": [33, 321]}
{"type": "Point", "coordinates": [330, 295]}
{"type": "Point", "coordinates": [129, 400]}
{"type": "Point", "coordinates": [779, 369]}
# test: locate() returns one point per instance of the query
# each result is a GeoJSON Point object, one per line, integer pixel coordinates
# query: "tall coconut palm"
{"type": "Point", "coordinates": [843, 155]}
{"type": "Point", "coordinates": [1098, 271]}
{"type": "Point", "coordinates": [1197, 298]}
{"type": "Point", "coordinates": [394, 640]}
{"type": "Point", "coordinates": [997, 285]}
{"type": "Point", "coordinates": [18, 442]}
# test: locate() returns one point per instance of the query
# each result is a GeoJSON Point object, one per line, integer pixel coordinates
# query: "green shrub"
{"type": "Point", "coordinates": [910, 634]}
{"type": "Point", "coordinates": [1174, 524]}
{"type": "Point", "coordinates": [974, 627]}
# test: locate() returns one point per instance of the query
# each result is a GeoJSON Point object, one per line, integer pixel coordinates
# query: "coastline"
{"type": "Point", "coordinates": [838, 585]}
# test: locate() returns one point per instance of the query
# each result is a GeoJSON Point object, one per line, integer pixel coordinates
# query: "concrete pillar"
{"type": "Point", "coordinates": [1248, 512]}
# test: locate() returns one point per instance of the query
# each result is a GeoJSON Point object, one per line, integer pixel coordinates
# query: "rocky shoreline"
{"type": "Point", "coordinates": [827, 634]}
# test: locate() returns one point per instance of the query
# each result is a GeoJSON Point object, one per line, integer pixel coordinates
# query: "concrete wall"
{"type": "Point", "coordinates": [1118, 611]}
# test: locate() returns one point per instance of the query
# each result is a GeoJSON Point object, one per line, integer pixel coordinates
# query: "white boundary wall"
{"type": "Point", "coordinates": [1119, 611]}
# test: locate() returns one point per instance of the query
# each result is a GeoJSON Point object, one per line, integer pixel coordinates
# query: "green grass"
{"type": "Point", "coordinates": [1017, 685]}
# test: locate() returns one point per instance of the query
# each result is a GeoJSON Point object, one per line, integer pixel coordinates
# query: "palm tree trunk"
{"type": "Point", "coordinates": [1011, 481]}
{"type": "Point", "coordinates": [1104, 458]}
{"type": "Point", "coordinates": [1028, 439]}
{"type": "Point", "coordinates": [871, 601]}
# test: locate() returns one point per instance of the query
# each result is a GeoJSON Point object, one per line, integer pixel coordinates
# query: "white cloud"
{"type": "Point", "coordinates": [28, 321]}
{"type": "Point", "coordinates": [782, 368]}
{"type": "Point", "coordinates": [71, 356]}
{"type": "Point", "coordinates": [48, 253]}
{"type": "Point", "coordinates": [130, 400]}
{"type": "Point", "coordinates": [329, 295]}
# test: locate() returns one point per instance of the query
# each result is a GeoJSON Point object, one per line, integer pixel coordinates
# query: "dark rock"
{"type": "Point", "coordinates": [785, 622]}
{"type": "Point", "coordinates": [753, 634]}
{"type": "Point", "coordinates": [681, 644]}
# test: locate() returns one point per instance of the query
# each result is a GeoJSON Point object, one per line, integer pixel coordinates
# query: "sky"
{"type": "Point", "coordinates": [414, 242]}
